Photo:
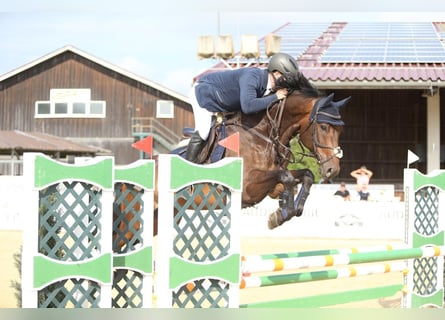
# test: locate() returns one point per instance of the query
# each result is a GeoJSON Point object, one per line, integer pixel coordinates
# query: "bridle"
{"type": "Point", "coordinates": [284, 152]}
{"type": "Point", "coordinates": [337, 152]}
{"type": "Point", "coordinates": [286, 155]}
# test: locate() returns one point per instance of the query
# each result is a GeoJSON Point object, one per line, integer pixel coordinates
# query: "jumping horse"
{"type": "Point", "coordinates": [306, 115]}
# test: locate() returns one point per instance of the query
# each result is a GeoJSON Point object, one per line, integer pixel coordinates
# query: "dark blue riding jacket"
{"type": "Point", "coordinates": [234, 90]}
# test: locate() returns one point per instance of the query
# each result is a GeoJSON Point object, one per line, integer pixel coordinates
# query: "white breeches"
{"type": "Point", "coordinates": [203, 117]}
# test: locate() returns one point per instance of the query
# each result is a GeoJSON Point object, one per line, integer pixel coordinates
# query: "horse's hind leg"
{"type": "Point", "coordinates": [288, 206]}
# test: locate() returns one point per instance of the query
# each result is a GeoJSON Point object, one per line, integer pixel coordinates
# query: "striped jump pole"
{"type": "Point", "coordinates": [305, 259]}
{"type": "Point", "coordinates": [343, 272]}
{"type": "Point", "coordinates": [382, 247]}
{"type": "Point", "coordinates": [342, 259]}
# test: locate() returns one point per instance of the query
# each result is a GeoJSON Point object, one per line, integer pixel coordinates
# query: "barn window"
{"type": "Point", "coordinates": [70, 103]}
{"type": "Point", "coordinates": [164, 109]}
{"type": "Point", "coordinates": [79, 107]}
{"type": "Point", "coordinates": [97, 107]}
{"type": "Point", "coordinates": [44, 108]}
{"type": "Point", "coordinates": [61, 108]}
{"type": "Point", "coordinates": [90, 109]}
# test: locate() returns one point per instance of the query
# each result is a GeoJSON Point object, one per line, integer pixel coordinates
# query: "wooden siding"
{"type": "Point", "coordinates": [125, 97]}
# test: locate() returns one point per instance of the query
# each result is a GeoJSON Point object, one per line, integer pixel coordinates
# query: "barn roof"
{"type": "Point", "coordinates": [19, 142]}
{"type": "Point", "coordinates": [321, 57]}
{"type": "Point", "coordinates": [99, 61]}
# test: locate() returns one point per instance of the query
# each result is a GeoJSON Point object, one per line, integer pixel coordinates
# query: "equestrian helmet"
{"type": "Point", "coordinates": [283, 63]}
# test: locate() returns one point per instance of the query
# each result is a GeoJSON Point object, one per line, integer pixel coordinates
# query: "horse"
{"type": "Point", "coordinates": [306, 115]}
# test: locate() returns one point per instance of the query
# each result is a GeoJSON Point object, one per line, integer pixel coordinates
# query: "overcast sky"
{"type": "Point", "coordinates": [159, 41]}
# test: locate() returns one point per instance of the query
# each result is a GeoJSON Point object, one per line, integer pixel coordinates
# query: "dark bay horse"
{"type": "Point", "coordinates": [265, 136]}
{"type": "Point", "coordinates": [314, 120]}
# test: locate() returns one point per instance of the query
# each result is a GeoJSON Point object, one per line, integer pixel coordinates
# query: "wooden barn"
{"type": "Point", "coordinates": [73, 95]}
{"type": "Point", "coordinates": [395, 74]}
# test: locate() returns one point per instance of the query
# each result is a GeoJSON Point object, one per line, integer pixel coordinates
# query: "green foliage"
{"type": "Point", "coordinates": [17, 285]}
{"type": "Point", "coordinates": [304, 162]}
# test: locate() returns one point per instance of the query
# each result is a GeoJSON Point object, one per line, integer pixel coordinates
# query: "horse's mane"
{"type": "Point", "coordinates": [302, 85]}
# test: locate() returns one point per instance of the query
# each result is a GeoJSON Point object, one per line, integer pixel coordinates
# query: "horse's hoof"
{"type": "Point", "coordinates": [275, 219]}
{"type": "Point", "coordinates": [299, 211]}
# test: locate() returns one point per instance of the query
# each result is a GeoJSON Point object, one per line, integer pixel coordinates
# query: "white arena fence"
{"type": "Point", "coordinates": [325, 215]}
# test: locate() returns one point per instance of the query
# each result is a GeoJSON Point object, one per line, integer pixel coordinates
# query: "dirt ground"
{"type": "Point", "coordinates": [10, 243]}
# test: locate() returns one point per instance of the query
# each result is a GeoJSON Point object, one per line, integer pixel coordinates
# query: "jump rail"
{"type": "Point", "coordinates": [423, 255]}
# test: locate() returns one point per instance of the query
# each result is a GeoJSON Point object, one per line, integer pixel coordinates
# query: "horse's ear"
{"type": "Point", "coordinates": [329, 98]}
{"type": "Point", "coordinates": [326, 101]}
{"type": "Point", "coordinates": [343, 102]}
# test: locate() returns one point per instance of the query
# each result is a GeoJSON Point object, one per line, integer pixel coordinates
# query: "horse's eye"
{"type": "Point", "coordinates": [324, 127]}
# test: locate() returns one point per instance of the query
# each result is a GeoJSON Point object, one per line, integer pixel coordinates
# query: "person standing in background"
{"type": "Point", "coordinates": [362, 177]}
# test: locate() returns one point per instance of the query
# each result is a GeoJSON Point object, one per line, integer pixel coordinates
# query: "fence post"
{"type": "Point", "coordinates": [67, 246]}
{"type": "Point", "coordinates": [135, 261]}
{"type": "Point", "coordinates": [424, 199]}
{"type": "Point", "coordinates": [198, 256]}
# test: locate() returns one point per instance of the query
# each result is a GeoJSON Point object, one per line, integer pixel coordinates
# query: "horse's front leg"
{"type": "Point", "coordinates": [306, 177]}
{"type": "Point", "coordinates": [288, 207]}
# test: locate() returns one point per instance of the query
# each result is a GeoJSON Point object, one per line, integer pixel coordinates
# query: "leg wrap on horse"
{"type": "Point", "coordinates": [285, 212]}
{"type": "Point", "coordinates": [288, 207]}
{"type": "Point", "coordinates": [299, 202]}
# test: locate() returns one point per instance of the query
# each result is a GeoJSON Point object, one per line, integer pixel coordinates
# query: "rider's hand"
{"type": "Point", "coordinates": [281, 93]}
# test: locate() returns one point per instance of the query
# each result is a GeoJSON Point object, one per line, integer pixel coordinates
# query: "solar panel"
{"type": "Point", "coordinates": [295, 38]}
{"type": "Point", "coordinates": [386, 42]}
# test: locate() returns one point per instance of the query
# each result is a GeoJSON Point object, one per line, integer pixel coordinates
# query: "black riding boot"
{"type": "Point", "coordinates": [195, 147]}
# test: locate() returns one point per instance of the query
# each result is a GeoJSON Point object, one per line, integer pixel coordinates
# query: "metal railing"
{"type": "Point", "coordinates": [144, 126]}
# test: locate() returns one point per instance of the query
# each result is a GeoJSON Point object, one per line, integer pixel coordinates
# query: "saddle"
{"type": "Point", "coordinates": [213, 151]}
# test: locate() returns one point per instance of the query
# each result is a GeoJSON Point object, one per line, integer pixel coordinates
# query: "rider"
{"type": "Point", "coordinates": [248, 90]}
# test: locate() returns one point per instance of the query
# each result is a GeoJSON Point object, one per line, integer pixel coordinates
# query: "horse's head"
{"type": "Point", "coordinates": [322, 134]}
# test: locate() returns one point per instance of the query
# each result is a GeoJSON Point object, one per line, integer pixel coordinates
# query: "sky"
{"type": "Point", "coordinates": [159, 41]}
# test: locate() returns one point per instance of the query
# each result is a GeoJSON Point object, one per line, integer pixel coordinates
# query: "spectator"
{"type": "Point", "coordinates": [362, 177]}
{"type": "Point", "coordinates": [343, 192]}
{"type": "Point", "coordinates": [364, 193]}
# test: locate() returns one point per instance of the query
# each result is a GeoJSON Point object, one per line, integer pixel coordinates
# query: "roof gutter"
{"type": "Point", "coordinates": [387, 85]}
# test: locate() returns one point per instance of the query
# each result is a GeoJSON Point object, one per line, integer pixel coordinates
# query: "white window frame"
{"type": "Point", "coordinates": [162, 105]}
{"type": "Point", "coordinates": [70, 113]}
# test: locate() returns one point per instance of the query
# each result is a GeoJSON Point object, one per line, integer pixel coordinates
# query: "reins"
{"type": "Point", "coordinates": [285, 154]}
{"type": "Point", "coordinates": [274, 135]}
